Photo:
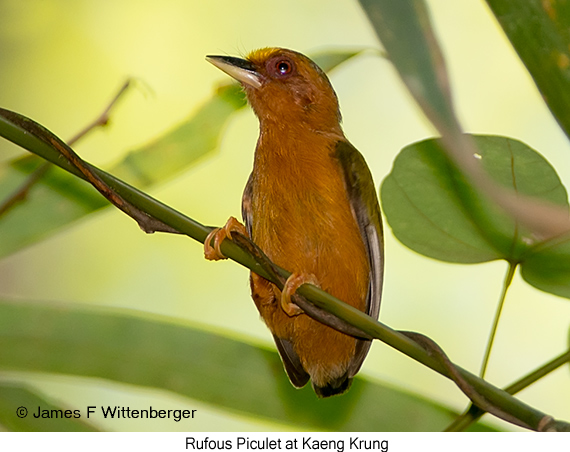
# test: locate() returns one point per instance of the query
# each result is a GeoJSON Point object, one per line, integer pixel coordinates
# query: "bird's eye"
{"type": "Point", "coordinates": [284, 67]}
{"type": "Point", "coordinates": [280, 67]}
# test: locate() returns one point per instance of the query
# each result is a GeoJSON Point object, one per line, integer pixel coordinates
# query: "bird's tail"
{"type": "Point", "coordinates": [334, 387]}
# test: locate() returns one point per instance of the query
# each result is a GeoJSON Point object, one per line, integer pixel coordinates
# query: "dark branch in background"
{"type": "Point", "coordinates": [21, 193]}
{"type": "Point", "coordinates": [103, 119]}
{"type": "Point", "coordinates": [152, 216]}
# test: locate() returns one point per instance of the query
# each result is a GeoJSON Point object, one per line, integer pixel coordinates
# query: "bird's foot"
{"type": "Point", "coordinates": [295, 281]}
{"type": "Point", "coordinates": [213, 253]}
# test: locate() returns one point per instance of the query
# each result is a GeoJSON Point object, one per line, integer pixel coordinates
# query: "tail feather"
{"type": "Point", "coordinates": [334, 387]}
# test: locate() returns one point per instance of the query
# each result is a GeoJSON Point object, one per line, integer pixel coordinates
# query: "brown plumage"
{"type": "Point", "coordinates": [310, 205]}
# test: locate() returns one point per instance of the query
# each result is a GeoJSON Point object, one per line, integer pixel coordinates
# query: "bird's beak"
{"type": "Point", "coordinates": [242, 70]}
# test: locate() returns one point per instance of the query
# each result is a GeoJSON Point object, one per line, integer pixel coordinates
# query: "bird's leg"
{"type": "Point", "coordinates": [295, 281]}
{"type": "Point", "coordinates": [213, 253]}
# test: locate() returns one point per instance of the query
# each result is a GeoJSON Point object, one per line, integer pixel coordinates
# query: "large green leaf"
{"type": "Point", "coordinates": [539, 31]}
{"type": "Point", "coordinates": [18, 405]}
{"type": "Point", "coordinates": [424, 206]}
{"type": "Point", "coordinates": [424, 201]}
{"type": "Point", "coordinates": [59, 198]}
{"type": "Point", "coordinates": [152, 352]}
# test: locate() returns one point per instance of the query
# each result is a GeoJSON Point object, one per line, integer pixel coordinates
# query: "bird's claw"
{"type": "Point", "coordinates": [295, 281]}
{"type": "Point", "coordinates": [213, 253]}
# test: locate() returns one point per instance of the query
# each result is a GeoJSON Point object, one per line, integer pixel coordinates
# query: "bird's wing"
{"type": "Point", "coordinates": [246, 210]}
{"type": "Point", "coordinates": [291, 361]}
{"type": "Point", "coordinates": [366, 211]}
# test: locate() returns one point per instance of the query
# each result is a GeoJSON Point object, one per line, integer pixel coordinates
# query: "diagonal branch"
{"type": "Point", "coordinates": [154, 216]}
{"type": "Point", "coordinates": [473, 413]}
{"type": "Point", "coordinates": [21, 193]}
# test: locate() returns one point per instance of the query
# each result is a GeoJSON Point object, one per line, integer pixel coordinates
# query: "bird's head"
{"type": "Point", "coordinates": [284, 87]}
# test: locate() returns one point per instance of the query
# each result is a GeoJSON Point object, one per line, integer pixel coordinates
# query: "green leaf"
{"type": "Point", "coordinates": [150, 351]}
{"type": "Point", "coordinates": [184, 144]}
{"type": "Point", "coordinates": [424, 201]}
{"type": "Point", "coordinates": [547, 267]}
{"type": "Point", "coordinates": [539, 31]}
{"type": "Point", "coordinates": [433, 211]}
{"type": "Point", "coordinates": [13, 397]}
{"type": "Point", "coordinates": [329, 60]}
{"type": "Point", "coordinates": [404, 30]}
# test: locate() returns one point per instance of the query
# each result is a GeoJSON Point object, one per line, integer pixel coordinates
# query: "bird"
{"type": "Point", "coordinates": [311, 206]}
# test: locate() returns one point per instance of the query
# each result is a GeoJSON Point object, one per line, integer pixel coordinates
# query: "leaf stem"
{"type": "Point", "coordinates": [506, 284]}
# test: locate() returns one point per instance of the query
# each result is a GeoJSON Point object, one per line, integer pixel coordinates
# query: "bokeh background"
{"type": "Point", "coordinates": [61, 62]}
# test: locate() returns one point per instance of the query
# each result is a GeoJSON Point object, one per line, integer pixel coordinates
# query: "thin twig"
{"type": "Point", "coordinates": [506, 284]}
{"type": "Point", "coordinates": [103, 119]}
{"type": "Point", "coordinates": [21, 193]}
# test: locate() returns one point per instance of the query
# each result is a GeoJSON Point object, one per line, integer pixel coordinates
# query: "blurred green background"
{"type": "Point", "coordinates": [62, 61]}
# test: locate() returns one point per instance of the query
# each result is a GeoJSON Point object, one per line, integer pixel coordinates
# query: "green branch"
{"type": "Point", "coordinates": [33, 137]}
{"type": "Point", "coordinates": [473, 413]}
